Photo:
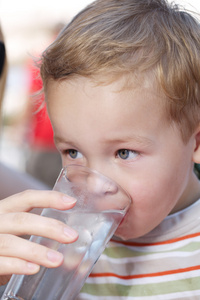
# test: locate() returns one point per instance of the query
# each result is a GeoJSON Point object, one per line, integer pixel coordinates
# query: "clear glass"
{"type": "Point", "coordinates": [101, 206]}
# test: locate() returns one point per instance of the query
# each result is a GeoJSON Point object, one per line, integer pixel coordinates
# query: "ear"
{"type": "Point", "coordinates": [196, 153]}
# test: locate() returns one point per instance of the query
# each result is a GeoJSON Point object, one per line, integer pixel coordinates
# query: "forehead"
{"type": "Point", "coordinates": [120, 84]}
{"type": "Point", "coordinates": [140, 92]}
{"type": "Point", "coordinates": [112, 110]}
{"type": "Point", "coordinates": [125, 88]}
{"type": "Point", "coordinates": [122, 95]}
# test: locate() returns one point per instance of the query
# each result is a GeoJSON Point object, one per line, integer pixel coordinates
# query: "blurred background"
{"type": "Point", "coordinates": [29, 26]}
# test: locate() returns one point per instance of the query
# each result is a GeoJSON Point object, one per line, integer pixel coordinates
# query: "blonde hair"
{"type": "Point", "coordinates": [129, 37]}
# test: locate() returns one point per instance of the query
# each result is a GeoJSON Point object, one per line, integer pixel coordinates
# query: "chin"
{"type": "Point", "coordinates": [123, 232]}
{"type": "Point", "coordinates": [126, 231]}
{"type": "Point", "coordinates": [123, 235]}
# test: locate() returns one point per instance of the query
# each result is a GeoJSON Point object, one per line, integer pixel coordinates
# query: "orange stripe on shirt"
{"type": "Point", "coordinates": [189, 236]}
{"type": "Point", "coordinates": [127, 277]}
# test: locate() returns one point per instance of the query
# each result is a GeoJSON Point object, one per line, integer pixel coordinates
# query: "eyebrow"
{"type": "Point", "coordinates": [58, 139]}
{"type": "Point", "coordinates": [125, 140]}
{"type": "Point", "coordinates": [130, 139]}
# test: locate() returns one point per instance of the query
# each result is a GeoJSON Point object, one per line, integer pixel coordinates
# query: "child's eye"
{"type": "Point", "coordinates": [127, 154]}
{"type": "Point", "coordinates": [74, 153]}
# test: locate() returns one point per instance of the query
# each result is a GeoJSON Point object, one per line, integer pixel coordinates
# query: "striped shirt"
{"type": "Point", "coordinates": [164, 264]}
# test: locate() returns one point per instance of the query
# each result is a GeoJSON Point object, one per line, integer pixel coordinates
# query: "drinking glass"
{"type": "Point", "coordinates": [101, 206]}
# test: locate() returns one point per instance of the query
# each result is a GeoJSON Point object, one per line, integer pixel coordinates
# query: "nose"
{"type": "Point", "coordinates": [95, 190]}
{"type": "Point", "coordinates": [98, 184]}
{"type": "Point", "coordinates": [102, 168]}
{"type": "Point", "coordinates": [90, 180]}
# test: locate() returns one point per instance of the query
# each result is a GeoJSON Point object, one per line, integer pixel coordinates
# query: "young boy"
{"type": "Point", "coordinates": [122, 85]}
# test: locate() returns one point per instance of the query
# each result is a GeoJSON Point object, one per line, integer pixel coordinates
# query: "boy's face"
{"type": "Point", "coordinates": [124, 134]}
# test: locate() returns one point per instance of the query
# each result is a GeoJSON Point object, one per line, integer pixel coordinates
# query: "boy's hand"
{"type": "Point", "coordinates": [20, 256]}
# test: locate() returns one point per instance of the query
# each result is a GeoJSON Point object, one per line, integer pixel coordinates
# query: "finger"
{"type": "Point", "coordinates": [29, 252]}
{"type": "Point", "coordinates": [31, 224]}
{"type": "Point", "coordinates": [12, 265]}
{"type": "Point", "coordinates": [27, 200]}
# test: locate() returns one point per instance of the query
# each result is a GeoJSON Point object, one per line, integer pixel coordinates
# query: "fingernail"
{"type": "Point", "coordinates": [69, 232]}
{"type": "Point", "coordinates": [68, 199]}
{"type": "Point", "coordinates": [54, 256]}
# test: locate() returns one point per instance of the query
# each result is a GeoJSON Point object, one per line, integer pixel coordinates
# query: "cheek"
{"type": "Point", "coordinates": [63, 161]}
{"type": "Point", "coordinates": [156, 193]}
{"type": "Point", "coordinates": [164, 179]}
{"type": "Point", "coordinates": [152, 200]}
